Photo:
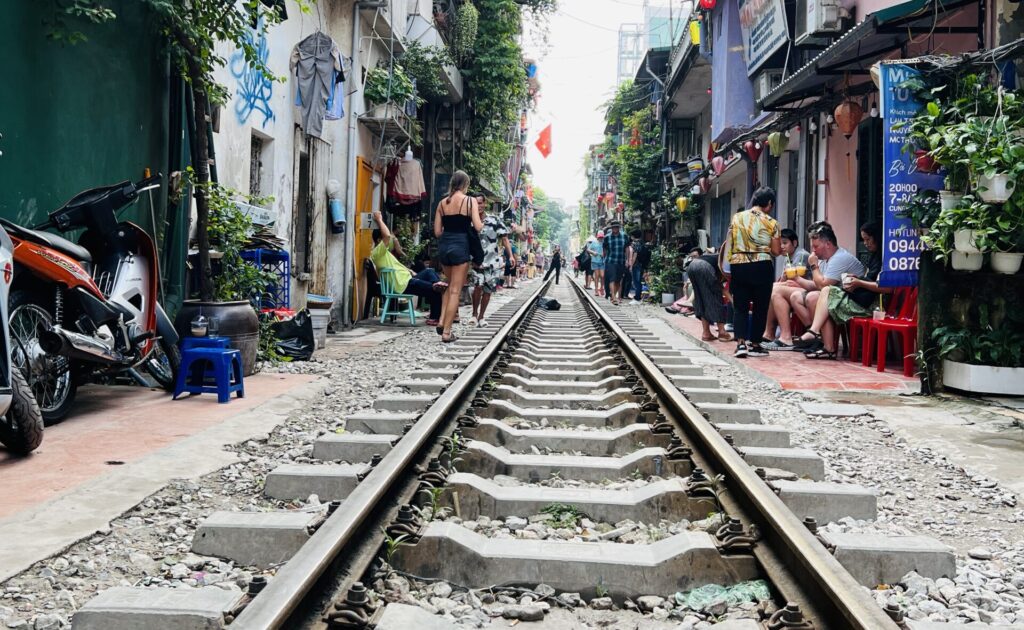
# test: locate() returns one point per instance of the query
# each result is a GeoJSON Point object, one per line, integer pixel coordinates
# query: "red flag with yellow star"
{"type": "Point", "coordinates": [543, 143]}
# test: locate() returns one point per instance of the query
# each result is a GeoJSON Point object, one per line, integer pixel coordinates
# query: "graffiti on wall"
{"type": "Point", "coordinates": [255, 88]}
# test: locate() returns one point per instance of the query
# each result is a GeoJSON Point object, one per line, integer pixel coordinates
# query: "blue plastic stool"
{"type": "Point", "coordinates": [223, 377]}
{"type": "Point", "coordinates": [204, 342]}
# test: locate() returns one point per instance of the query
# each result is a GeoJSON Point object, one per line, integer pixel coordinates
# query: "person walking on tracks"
{"type": "Point", "coordinates": [753, 240]}
{"type": "Point", "coordinates": [485, 277]}
{"type": "Point", "coordinates": [596, 250]}
{"type": "Point", "coordinates": [454, 216]}
{"type": "Point", "coordinates": [555, 265]}
{"type": "Point", "coordinates": [615, 244]}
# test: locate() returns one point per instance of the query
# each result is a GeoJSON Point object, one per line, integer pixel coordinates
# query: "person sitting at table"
{"type": "Point", "coordinates": [425, 284]}
{"type": "Point", "coordinates": [838, 304]}
{"type": "Point", "coordinates": [791, 264]}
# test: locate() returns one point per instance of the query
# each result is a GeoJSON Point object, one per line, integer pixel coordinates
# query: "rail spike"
{"type": "Point", "coordinates": [734, 538]}
{"type": "Point", "coordinates": [434, 476]}
{"type": "Point", "coordinates": [354, 613]}
{"type": "Point", "coordinates": [406, 524]}
{"type": "Point", "coordinates": [789, 618]}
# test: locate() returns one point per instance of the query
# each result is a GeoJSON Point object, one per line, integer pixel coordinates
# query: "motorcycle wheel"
{"type": "Point", "coordinates": [21, 428]}
{"type": "Point", "coordinates": [48, 376]}
{"type": "Point", "coordinates": [163, 363]}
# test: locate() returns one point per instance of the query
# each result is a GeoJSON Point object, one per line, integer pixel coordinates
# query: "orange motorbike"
{"type": "Point", "coordinates": [89, 310]}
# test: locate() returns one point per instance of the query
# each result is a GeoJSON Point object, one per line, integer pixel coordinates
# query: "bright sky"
{"type": "Point", "coordinates": [577, 76]}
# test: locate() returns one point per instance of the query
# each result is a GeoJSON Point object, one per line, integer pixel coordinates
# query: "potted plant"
{"type": "Point", "coordinates": [996, 159]}
{"type": "Point", "coordinates": [1006, 238]}
{"type": "Point", "coordinates": [988, 360]}
{"type": "Point", "coordinates": [922, 209]}
{"type": "Point", "coordinates": [384, 86]}
{"type": "Point", "coordinates": [957, 234]}
{"type": "Point", "coordinates": [236, 282]}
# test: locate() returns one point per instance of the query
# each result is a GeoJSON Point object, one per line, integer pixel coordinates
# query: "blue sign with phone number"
{"type": "Point", "coordinates": [901, 253]}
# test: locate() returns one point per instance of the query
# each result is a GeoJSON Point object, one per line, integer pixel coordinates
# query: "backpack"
{"type": "Point", "coordinates": [643, 254]}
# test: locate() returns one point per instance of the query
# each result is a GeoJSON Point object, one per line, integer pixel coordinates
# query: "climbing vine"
{"type": "Point", "coordinates": [425, 65]}
{"type": "Point", "coordinates": [639, 160]}
{"type": "Point", "coordinates": [464, 38]}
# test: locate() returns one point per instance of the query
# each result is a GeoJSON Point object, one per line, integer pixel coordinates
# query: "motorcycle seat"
{"type": "Point", "coordinates": [48, 239]}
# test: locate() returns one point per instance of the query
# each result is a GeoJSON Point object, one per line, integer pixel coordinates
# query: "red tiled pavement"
{"type": "Point", "coordinates": [792, 370]}
{"type": "Point", "coordinates": [119, 424]}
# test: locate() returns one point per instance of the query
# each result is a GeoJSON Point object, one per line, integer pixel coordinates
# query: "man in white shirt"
{"type": "Point", "coordinates": [827, 265]}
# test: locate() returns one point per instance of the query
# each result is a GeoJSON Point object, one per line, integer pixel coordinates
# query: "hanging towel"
{"type": "Point", "coordinates": [314, 60]}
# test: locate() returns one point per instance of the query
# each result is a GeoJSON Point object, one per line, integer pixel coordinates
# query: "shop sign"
{"type": "Point", "coordinates": [901, 252]}
{"type": "Point", "coordinates": [763, 23]}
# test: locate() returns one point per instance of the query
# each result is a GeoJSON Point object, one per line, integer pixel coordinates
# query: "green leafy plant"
{"type": "Point", "coordinates": [267, 350]}
{"type": "Point", "coordinates": [433, 509]}
{"type": "Point", "coordinates": [60, 28]}
{"type": "Point", "coordinates": [384, 85]}
{"type": "Point", "coordinates": [563, 516]}
{"type": "Point", "coordinates": [464, 34]}
{"type": "Point", "coordinates": [922, 208]}
{"type": "Point", "coordinates": [391, 544]}
{"type": "Point", "coordinates": [997, 340]}
{"type": "Point", "coordinates": [425, 65]}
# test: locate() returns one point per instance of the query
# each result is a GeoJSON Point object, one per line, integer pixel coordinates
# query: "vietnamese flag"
{"type": "Point", "coordinates": [543, 143]}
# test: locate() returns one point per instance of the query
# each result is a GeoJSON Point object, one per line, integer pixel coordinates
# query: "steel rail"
{"type": "Point", "coordinates": [838, 600]}
{"type": "Point", "coordinates": [273, 607]}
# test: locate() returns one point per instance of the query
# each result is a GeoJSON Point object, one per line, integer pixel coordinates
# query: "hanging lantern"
{"type": "Point", "coordinates": [753, 149]}
{"type": "Point", "coordinates": [695, 190]}
{"type": "Point", "coordinates": [682, 203]}
{"type": "Point", "coordinates": [708, 5]}
{"type": "Point", "coordinates": [775, 144]}
{"type": "Point", "coordinates": [718, 164]}
{"type": "Point", "coordinates": [848, 115]}
{"type": "Point", "coordinates": [694, 33]}
{"type": "Point", "coordinates": [705, 184]}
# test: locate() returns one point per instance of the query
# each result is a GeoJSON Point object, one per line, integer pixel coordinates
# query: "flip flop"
{"type": "Point", "coordinates": [708, 338]}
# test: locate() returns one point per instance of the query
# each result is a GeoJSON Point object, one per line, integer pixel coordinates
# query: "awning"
{"type": "Point", "coordinates": [876, 36]}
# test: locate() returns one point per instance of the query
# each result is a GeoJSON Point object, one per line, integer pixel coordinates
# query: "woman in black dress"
{"type": "Point", "coordinates": [454, 216]}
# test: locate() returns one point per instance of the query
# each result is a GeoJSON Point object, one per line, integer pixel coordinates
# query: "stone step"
{"type": "Point", "coordinates": [827, 502]}
{"type": "Point", "coordinates": [710, 395]}
{"type": "Point", "coordinates": [489, 460]}
{"type": "Point", "coordinates": [699, 382]}
{"type": "Point", "coordinates": [541, 387]}
{"type": "Point", "coordinates": [423, 386]}
{"type": "Point", "coordinates": [873, 559]}
{"type": "Point", "coordinates": [661, 361]}
{"type": "Point", "coordinates": [353, 447]}
{"type": "Point", "coordinates": [403, 402]}
{"type": "Point", "coordinates": [527, 371]}
{"type": "Point", "coordinates": [681, 562]}
{"type": "Point", "coordinates": [682, 370]}
{"type": "Point", "coordinates": [261, 539]}
{"type": "Point", "coordinates": [755, 434]}
{"type": "Point", "coordinates": [526, 398]}
{"type": "Point", "coordinates": [730, 413]}
{"type": "Point", "coordinates": [124, 607]}
{"type": "Point", "coordinates": [618, 416]}
{"type": "Point", "coordinates": [330, 482]}
{"type": "Point", "coordinates": [666, 499]}
{"type": "Point", "coordinates": [590, 443]}
{"type": "Point", "coordinates": [381, 423]}
{"type": "Point", "coordinates": [800, 461]}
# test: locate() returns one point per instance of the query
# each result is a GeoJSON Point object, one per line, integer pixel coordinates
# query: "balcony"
{"type": "Point", "coordinates": [421, 29]}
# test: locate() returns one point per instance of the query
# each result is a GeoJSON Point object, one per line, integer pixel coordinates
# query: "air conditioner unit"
{"type": "Point", "coordinates": [816, 21]}
{"type": "Point", "coordinates": [765, 82]}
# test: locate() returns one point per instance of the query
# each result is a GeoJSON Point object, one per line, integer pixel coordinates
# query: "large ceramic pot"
{"type": "Point", "coordinates": [235, 320]}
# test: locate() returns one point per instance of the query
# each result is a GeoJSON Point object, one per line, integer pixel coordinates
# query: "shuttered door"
{"type": "Point", "coordinates": [319, 153]}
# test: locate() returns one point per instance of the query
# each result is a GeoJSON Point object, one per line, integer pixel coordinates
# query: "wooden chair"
{"type": "Point", "coordinates": [388, 291]}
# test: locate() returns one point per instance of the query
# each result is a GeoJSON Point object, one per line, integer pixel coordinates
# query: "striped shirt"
{"type": "Point", "coordinates": [615, 246]}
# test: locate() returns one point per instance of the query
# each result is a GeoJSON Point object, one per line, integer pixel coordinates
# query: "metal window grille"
{"type": "Point", "coordinates": [255, 162]}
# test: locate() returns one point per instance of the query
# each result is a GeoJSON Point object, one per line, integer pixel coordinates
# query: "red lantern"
{"type": "Point", "coordinates": [718, 164]}
{"type": "Point", "coordinates": [753, 149]}
{"type": "Point", "coordinates": [708, 5]}
{"type": "Point", "coordinates": [705, 184]}
{"type": "Point", "coordinates": [848, 115]}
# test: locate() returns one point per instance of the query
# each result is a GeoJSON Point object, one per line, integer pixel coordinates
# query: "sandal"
{"type": "Point", "coordinates": [802, 343]}
{"type": "Point", "coordinates": [708, 338]}
{"type": "Point", "coordinates": [451, 338]}
{"type": "Point", "coordinates": [725, 337]}
{"type": "Point", "coordinates": [439, 330]}
{"type": "Point", "coordinates": [821, 353]}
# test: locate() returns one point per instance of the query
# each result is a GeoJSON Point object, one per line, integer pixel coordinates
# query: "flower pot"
{"type": "Point", "coordinates": [235, 320]}
{"type": "Point", "coordinates": [925, 163]}
{"type": "Point", "coordinates": [963, 241]}
{"type": "Point", "coordinates": [949, 199]}
{"type": "Point", "coordinates": [985, 379]}
{"type": "Point", "coordinates": [667, 299]}
{"type": "Point", "coordinates": [995, 189]}
{"type": "Point", "coordinates": [963, 261]}
{"type": "Point", "coordinates": [1006, 262]}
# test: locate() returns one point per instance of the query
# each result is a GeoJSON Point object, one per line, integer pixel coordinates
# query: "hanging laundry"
{"type": "Point", "coordinates": [316, 62]}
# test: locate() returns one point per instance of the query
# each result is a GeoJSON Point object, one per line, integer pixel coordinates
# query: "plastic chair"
{"type": "Point", "coordinates": [387, 289]}
{"type": "Point", "coordinates": [209, 370]}
{"type": "Point", "coordinates": [905, 326]}
{"type": "Point", "coordinates": [858, 326]}
{"type": "Point", "coordinates": [188, 343]}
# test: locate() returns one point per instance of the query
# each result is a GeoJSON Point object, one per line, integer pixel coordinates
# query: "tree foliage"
{"type": "Point", "coordinates": [639, 161]}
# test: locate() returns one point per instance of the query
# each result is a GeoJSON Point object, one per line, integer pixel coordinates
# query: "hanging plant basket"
{"type": "Point", "coordinates": [963, 261]}
{"type": "Point", "coordinates": [1007, 262]}
{"type": "Point", "coordinates": [950, 200]}
{"type": "Point", "coordinates": [995, 189]}
{"type": "Point", "coordinates": [964, 241]}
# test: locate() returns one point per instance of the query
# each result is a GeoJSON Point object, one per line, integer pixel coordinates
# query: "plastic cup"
{"type": "Point", "coordinates": [790, 272]}
{"type": "Point", "coordinates": [801, 270]}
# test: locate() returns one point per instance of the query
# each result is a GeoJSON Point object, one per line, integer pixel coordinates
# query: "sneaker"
{"type": "Point", "coordinates": [741, 351]}
{"type": "Point", "coordinates": [756, 350]}
{"type": "Point", "coordinates": [728, 328]}
{"type": "Point", "coordinates": [776, 344]}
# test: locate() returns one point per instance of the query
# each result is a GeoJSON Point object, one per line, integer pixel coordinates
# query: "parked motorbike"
{"type": "Point", "coordinates": [21, 424]}
{"type": "Point", "coordinates": [88, 310]}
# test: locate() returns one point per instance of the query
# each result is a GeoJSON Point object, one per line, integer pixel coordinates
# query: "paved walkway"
{"type": "Point", "coordinates": [791, 370]}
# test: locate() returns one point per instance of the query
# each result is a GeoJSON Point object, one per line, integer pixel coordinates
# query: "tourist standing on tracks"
{"type": "Point", "coordinates": [641, 259]}
{"type": "Point", "coordinates": [596, 250]}
{"type": "Point", "coordinates": [584, 260]}
{"type": "Point", "coordinates": [556, 264]}
{"type": "Point", "coordinates": [452, 219]}
{"type": "Point", "coordinates": [753, 240]}
{"type": "Point", "coordinates": [425, 284]}
{"type": "Point", "coordinates": [531, 264]}
{"type": "Point", "coordinates": [485, 277]}
{"type": "Point", "coordinates": [615, 244]}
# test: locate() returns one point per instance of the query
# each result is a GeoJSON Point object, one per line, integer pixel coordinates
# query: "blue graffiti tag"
{"type": "Point", "coordinates": [255, 89]}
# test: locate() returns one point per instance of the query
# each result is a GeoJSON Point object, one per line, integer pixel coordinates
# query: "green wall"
{"type": "Point", "coordinates": [75, 117]}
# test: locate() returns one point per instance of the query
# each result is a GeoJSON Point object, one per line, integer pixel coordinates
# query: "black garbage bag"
{"type": "Point", "coordinates": [295, 336]}
{"type": "Point", "coordinates": [547, 303]}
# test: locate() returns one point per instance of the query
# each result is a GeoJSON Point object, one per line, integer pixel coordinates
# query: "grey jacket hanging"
{"type": "Point", "coordinates": [314, 62]}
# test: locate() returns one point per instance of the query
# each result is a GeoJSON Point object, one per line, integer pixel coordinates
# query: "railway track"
{"type": "Point", "coordinates": [579, 417]}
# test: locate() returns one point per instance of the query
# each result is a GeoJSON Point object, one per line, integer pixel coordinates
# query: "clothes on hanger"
{"type": "Point", "coordinates": [406, 192]}
{"type": "Point", "coordinates": [316, 63]}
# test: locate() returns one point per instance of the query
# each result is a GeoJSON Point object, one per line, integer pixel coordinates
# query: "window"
{"type": "Point", "coordinates": [255, 165]}
{"type": "Point", "coordinates": [869, 175]}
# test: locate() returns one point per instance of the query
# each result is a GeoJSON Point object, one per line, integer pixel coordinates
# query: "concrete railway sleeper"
{"type": "Point", "coordinates": [555, 458]}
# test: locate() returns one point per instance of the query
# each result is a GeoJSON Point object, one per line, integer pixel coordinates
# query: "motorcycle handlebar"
{"type": "Point", "coordinates": [149, 181]}
{"type": "Point", "coordinates": [45, 225]}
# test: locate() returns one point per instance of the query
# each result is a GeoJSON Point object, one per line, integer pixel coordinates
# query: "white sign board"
{"type": "Point", "coordinates": [763, 23]}
{"type": "Point", "coordinates": [258, 215]}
